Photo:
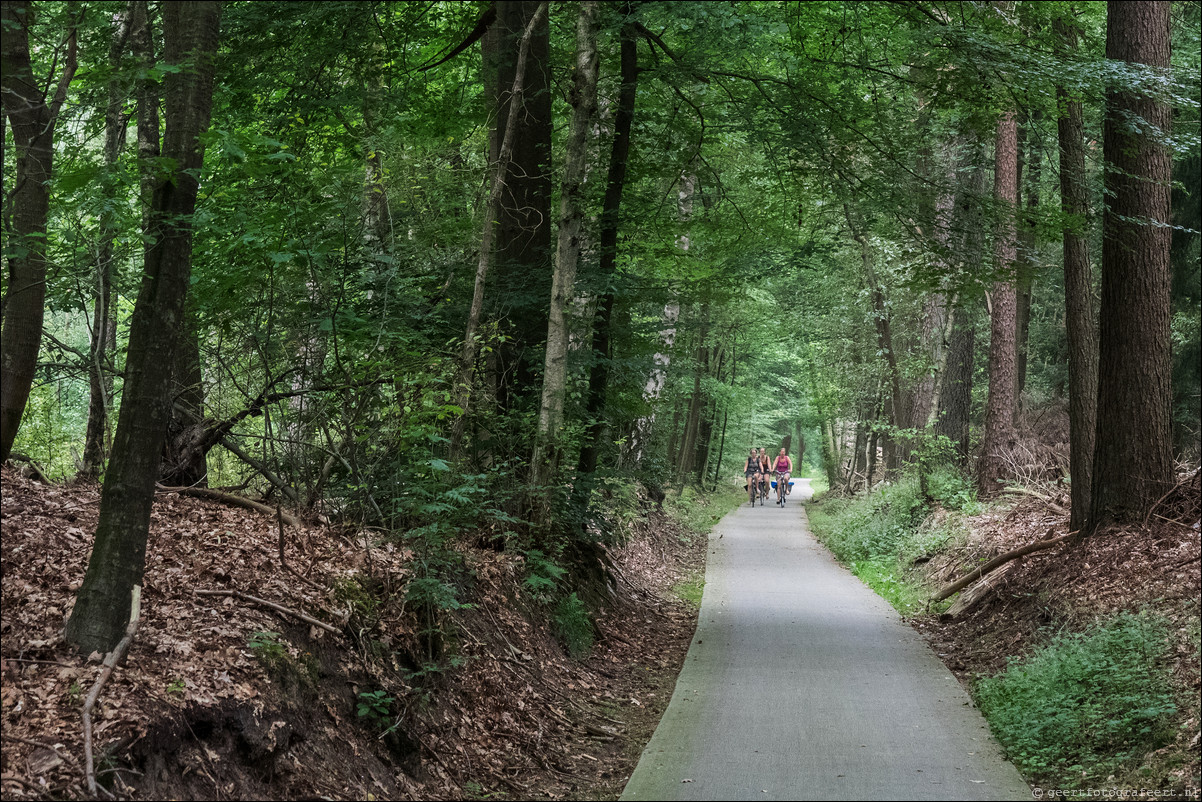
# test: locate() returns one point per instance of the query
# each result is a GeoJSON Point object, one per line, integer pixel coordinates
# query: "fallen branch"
{"type": "Point", "coordinates": [283, 560]}
{"type": "Point", "coordinates": [997, 562]}
{"type": "Point", "coordinates": [66, 756]}
{"type": "Point", "coordinates": [972, 596]}
{"type": "Point", "coordinates": [263, 470]}
{"type": "Point", "coordinates": [231, 499]}
{"type": "Point", "coordinates": [278, 608]}
{"type": "Point", "coordinates": [110, 661]}
{"type": "Point", "coordinates": [1024, 491]}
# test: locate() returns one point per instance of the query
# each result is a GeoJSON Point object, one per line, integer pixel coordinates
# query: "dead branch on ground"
{"type": "Point", "coordinates": [110, 662]}
{"type": "Point", "coordinates": [997, 562]}
{"type": "Point", "coordinates": [230, 499]}
{"type": "Point", "coordinates": [272, 605]}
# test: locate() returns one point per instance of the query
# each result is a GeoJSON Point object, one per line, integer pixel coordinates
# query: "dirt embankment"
{"type": "Point", "coordinates": [1154, 567]}
{"type": "Point", "coordinates": [221, 697]}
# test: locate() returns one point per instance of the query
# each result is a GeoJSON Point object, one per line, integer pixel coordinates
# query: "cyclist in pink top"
{"type": "Point", "coordinates": [783, 468]}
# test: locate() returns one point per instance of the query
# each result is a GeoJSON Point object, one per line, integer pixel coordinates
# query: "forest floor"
{"type": "Point", "coordinates": [222, 698]}
{"type": "Point", "coordinates": [1152, 568]}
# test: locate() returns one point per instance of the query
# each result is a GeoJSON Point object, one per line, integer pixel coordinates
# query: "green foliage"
{"type": "Point", "coordinates": [881, 535]}
{"type": "Point", "coordinates": [175, 686]}
{"type": "Point", "coordinates": [691, 589]}
{"type": "Point", "coordinates": [875, 526]}
{"type": "Point", "coordinates": [574, 626]}
{"type": "Point", "coordinates": [953, 490]}
{"type": "Point", "coordinates": [698, 511]}
{"type": "Point", "coordinates": [1086, 705]}
{"type": "Point", "coordinates": [542, 575]}
{"type": "Point", "coordinates": [266, 646]}
{"type": "Point", "coordinates": [375, 707]}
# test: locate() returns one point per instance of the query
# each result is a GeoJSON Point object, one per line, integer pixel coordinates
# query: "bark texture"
{"type": "Point", "coordinates": [993, 466]}
{"type": "Point", "coordinates": [610, 210]}
{"type": "Point", "coordinates": [33, 122]}
{"type": "Point", "coordinates": [520, 277]}
{"type": "Point", "coordinates": [1079, 316]}
{"type": "Point", "coordinates": [568, 245]}
{"type": "Point", "coordinates": [494, 210]}
{"type": "Point", "coordinates": [119, 553]}
{"type": "Point", "coordinates": [1133, 464]}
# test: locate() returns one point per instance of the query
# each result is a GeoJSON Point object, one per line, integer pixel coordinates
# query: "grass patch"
{"type": "Point", "coordinates": [690, 589]}
{"type": "Point", "coordinates": [882, 535]}
{"type": "Point", "coordinates": [1087, 705]}
{"type": "Point", "coordinates": [698, 511]}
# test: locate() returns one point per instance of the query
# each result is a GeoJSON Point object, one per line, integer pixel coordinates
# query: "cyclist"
{"type": "Point", "coordinates": [752, 470]}
{"type": "Point", "coordinates": [784, 467]}
{"type": "Point", "coordinates": [765, 470]}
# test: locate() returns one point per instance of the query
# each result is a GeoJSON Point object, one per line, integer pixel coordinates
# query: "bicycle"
{"type": "Point", "coordinates": [754, 488]}
{"type": "Point", "coordinates": [782, 488]}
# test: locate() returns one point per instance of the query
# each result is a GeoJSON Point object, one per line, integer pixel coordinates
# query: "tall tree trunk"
{"type": "Point", "coordinates": [697, 402]}
{"type": "Point", "coordinates": [185, 456]}
{"type": "Point", "coordinates": [1029, 175]}
{"type": "Point", "coordinates": [493, 211]}
{"type": "Point", "coordinates": [519, 281]}
{"type": "Point", "coordinates": [104, 321]}
{"type": "Point", "coordinates": [119, 552]}
{"type": "Point", "coordinates": [992, 468]}
{"type": "Point", "coordinates": [641, 436]}
{"type": "Point", "coordinates": [830, 457]}
{"type": "Point", "coordinates": [1133, 464]}
{"type": "Point", "coordinates": [609, 225]}
{"type": "Point", "coordinates": [598, 380]}
{"type": "Point", "coordinates": [568, 246]}
{"type": "Point", "coordinates": [1078, 293]}
{"type": "Point", "coordinates": [955, 401]}
{"type": "Point", "coordinates": [899, 412]}
{"type": "Point", "coordinates": [33, 123]}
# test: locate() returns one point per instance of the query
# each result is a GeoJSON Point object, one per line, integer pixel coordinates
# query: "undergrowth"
{"type": "Point", "coordinates": [1087, 705]}
{"type": "Point", "coordinates": [881, 536]}
{"type": "Point", "coordinates": [699, 511]}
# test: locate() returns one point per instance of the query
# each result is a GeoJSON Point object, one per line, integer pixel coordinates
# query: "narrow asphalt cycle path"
{"type": "Point", "coordinates": [801, 683]}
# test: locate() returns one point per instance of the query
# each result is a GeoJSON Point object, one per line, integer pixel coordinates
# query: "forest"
{"type": "Point", "coordinates": [441, 279]}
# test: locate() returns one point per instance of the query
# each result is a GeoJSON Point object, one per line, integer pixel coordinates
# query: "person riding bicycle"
{"type": "Point", "coordinates": [752, 469]}
{"type": "Point", "coordinates": [784, 467]}
{"type": "Point", "coordinates": [765, 469]}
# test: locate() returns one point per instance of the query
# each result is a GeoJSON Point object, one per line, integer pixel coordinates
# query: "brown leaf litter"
{"type": "Point", "coordinates": [198, 711]}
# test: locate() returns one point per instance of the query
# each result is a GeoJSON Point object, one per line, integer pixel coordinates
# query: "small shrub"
{"type": "Point", "coordinates": [953, 490]}
{"type": "Point", "coordinates": [543, 577]}
{"type": "Point", "coordinates": [573, 625]}
{"type": "Point", "coordinates": [375, 706]}
{"type": "Point", "coordinates": [1086, 705]}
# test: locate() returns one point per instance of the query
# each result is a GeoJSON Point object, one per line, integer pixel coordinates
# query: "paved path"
{"type": "Point", "coordinates": [801, 683]}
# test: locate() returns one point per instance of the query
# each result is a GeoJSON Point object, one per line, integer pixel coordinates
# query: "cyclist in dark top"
{"type": "Point", "coordinates": [752, 471]}
{"type": "Point", "coordinates": [765, 469]}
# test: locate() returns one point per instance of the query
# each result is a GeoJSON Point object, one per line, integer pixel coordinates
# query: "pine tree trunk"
{"type": "Point", "coordinates": [1133, 464]}
{"type": "Point", "coordinates": [1079, 317]}
{"type": "Point", "coordinates": [992, 468]}
{"type": "Point", "coordinates": [568, 247]}
{"type": "Point", "coordinates": [33, 121]}
{"type": "Point", "coordinates": [1029, 176]}
{"type": "Point", "coordinates": [119, 552]}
